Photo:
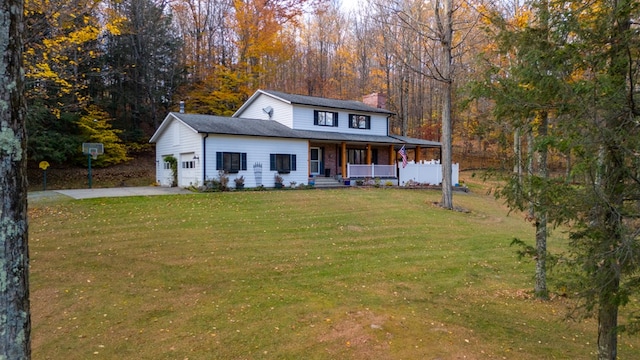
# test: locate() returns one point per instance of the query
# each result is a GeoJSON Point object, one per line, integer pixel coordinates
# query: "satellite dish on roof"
{"type": "Point", "coordinates": [269, 111]}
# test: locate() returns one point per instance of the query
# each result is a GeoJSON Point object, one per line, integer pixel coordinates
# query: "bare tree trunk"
{"type": "Point", "coordinates": [517, 153]}
{"type": "Point", "coordinates": [15, 320]}
{"type": "Point", "coordinates": [447, 191]}
{"type": "Point", "coordinates": [568, 164]}
{"type": "Point", "coordinates": [530, 168]}
{"type": "Point", "coordinates": [540, 288]}
{"type": "Point", "coordinates": [608, 318]}
{"type": "Point", "coordinates": [613, 183]}
{"type": "Point", "coordinates": [446, 37]}
{"type": "Point", "coordinates": [404, 98]}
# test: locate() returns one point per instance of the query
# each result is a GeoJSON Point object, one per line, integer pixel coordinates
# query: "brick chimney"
{"type": "Point", "coordinates": [376, 100]}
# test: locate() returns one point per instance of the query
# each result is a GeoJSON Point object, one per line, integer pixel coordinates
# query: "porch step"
{"type": "Point", "coordinates": [326, 182]}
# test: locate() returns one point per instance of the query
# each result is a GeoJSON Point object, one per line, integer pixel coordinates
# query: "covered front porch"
{"type": "Point", "coordinates": [361, 160]}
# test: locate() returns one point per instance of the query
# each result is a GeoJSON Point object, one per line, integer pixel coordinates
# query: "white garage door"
{"type": "Point", "coordinates": [187, 170]}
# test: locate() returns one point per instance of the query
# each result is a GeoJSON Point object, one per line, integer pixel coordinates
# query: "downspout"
{"type": "Point", "coordinates": [204, 157]}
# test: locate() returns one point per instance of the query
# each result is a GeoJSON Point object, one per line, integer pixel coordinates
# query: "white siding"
{"type": "Point", "coordinates": [258, 150]}
{"type": "Point", "coordinates": [188, 142]}
{"type": "Point", "coordinates": [303, 118]}
{"type": "Point", "coordinates": [282, 112]}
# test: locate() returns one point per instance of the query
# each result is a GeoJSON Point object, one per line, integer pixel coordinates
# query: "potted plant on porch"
{"type": "Point", "coordinates": [279, 181]}
{"type": "Point", "coordinates": [239, 182]}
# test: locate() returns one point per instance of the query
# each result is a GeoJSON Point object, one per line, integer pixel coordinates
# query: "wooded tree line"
{"type": "Point", "coordinates": [130, 62]}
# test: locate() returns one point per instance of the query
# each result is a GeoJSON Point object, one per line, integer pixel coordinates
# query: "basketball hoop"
{"type": "Point", "coordinates": [92, 150]}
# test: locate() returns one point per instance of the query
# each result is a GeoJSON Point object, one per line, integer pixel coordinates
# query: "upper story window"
{"type": "Point", "coordinates": [359, 121]}
{"type": "Point", "coordinates": [231, 162]}
{"type": "Point", "coordinates": [325, 118]}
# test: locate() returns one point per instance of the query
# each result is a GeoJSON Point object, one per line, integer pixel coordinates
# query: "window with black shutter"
{"type": "Point", "coordinates": [325, 118]}
{"type": "Point", "coordinates": [231, 162]}
{"type": "Point", "coordinates": [283, 163]}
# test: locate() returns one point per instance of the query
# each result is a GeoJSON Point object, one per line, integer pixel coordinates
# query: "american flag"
{"type": "Point", "coordinates": [403, 153]}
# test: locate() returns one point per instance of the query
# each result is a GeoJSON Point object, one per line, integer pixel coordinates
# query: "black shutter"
{"type": "Point", "coordinates": [335, 119]}
{"type": "Point", "coordinates": [293, 162]}
{"type": "Point", "coordinates": [243, 161]}
{"type": "Point", "coordinates": [219, 165]}
{"type": "Point", "coordinates": [272, 166]}
{"type": "Point", "coordinates": [315, 117]}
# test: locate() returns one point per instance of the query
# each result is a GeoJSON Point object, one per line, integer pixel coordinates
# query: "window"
{"type": "Point", "coordinates": [359, 121]}
{"type": "Point", "coordinates": [356, 156]}
{"type": "Point", "coordinates": [189, 164]}
{"type": "Point", "coordinates": [231, 162]}
{"type": "Point", "coordinates": [166, 165]}
{"type": "Point", "coordinates": [359, 156]}
{"type": "Point", "coordinates": [325, 118]}
{"type": "Point", "coordinates": [283, 163]}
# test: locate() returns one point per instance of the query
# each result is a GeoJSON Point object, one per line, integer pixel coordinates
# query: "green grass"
{"type": "Point", "coordinates": [336, 274]}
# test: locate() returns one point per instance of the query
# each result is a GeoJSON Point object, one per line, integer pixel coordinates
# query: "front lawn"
{"type": "Point", "coordinates": [335, 274]}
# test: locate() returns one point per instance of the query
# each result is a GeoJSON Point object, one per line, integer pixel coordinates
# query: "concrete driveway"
{"type": "Point", "coordinates": [109, 192]}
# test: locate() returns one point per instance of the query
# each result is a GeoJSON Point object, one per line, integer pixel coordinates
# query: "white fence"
{"type": "Point", "coordinates": [371, 171]}
{"type": "Point", "coordinates": [425, 172]}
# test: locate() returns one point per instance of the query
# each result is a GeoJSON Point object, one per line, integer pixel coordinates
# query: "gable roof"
{"type": "Point", "coordinates": [416, 142]}
{"type": "Point", "coordinates": [236, 126]}
{"type": "Point", "coordinates": [314, 101]}
{"type": "Point", "coordinates": [210, 124]}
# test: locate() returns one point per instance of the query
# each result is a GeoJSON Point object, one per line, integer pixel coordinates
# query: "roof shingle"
{"type": "Point", "coordinates": [327, 103]}
{"type": "Point", "coordinates": [210, 124]}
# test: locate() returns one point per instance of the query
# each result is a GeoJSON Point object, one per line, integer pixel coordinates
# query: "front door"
{"type": "Point", "coordinates": [315, 160]}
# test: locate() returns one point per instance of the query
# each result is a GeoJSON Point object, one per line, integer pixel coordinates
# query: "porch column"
{"type": "Point", "coordinates": [392, 155]}
{"type": "Point", "coordinates": [418, 154]}
{"type": "Point", "coordinates": [344, 159]}
{"type": "Point", "coordinates": [368, 154]}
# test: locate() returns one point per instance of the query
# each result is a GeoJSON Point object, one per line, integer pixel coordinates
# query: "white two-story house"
{"type": "Point", "coordinates": [297, 137]}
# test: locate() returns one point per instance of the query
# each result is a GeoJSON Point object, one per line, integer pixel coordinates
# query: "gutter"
{"type": "Point", "coordinates": [204, 157]}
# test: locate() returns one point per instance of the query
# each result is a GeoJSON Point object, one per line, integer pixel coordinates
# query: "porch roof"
{"type": "Point", "coordinates": [345, 137]}
{"type": "Point", "coordinates": [413, 142]}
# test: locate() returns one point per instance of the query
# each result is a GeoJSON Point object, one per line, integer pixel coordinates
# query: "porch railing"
{"type": "Point", "coordinates": [371, 171]}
